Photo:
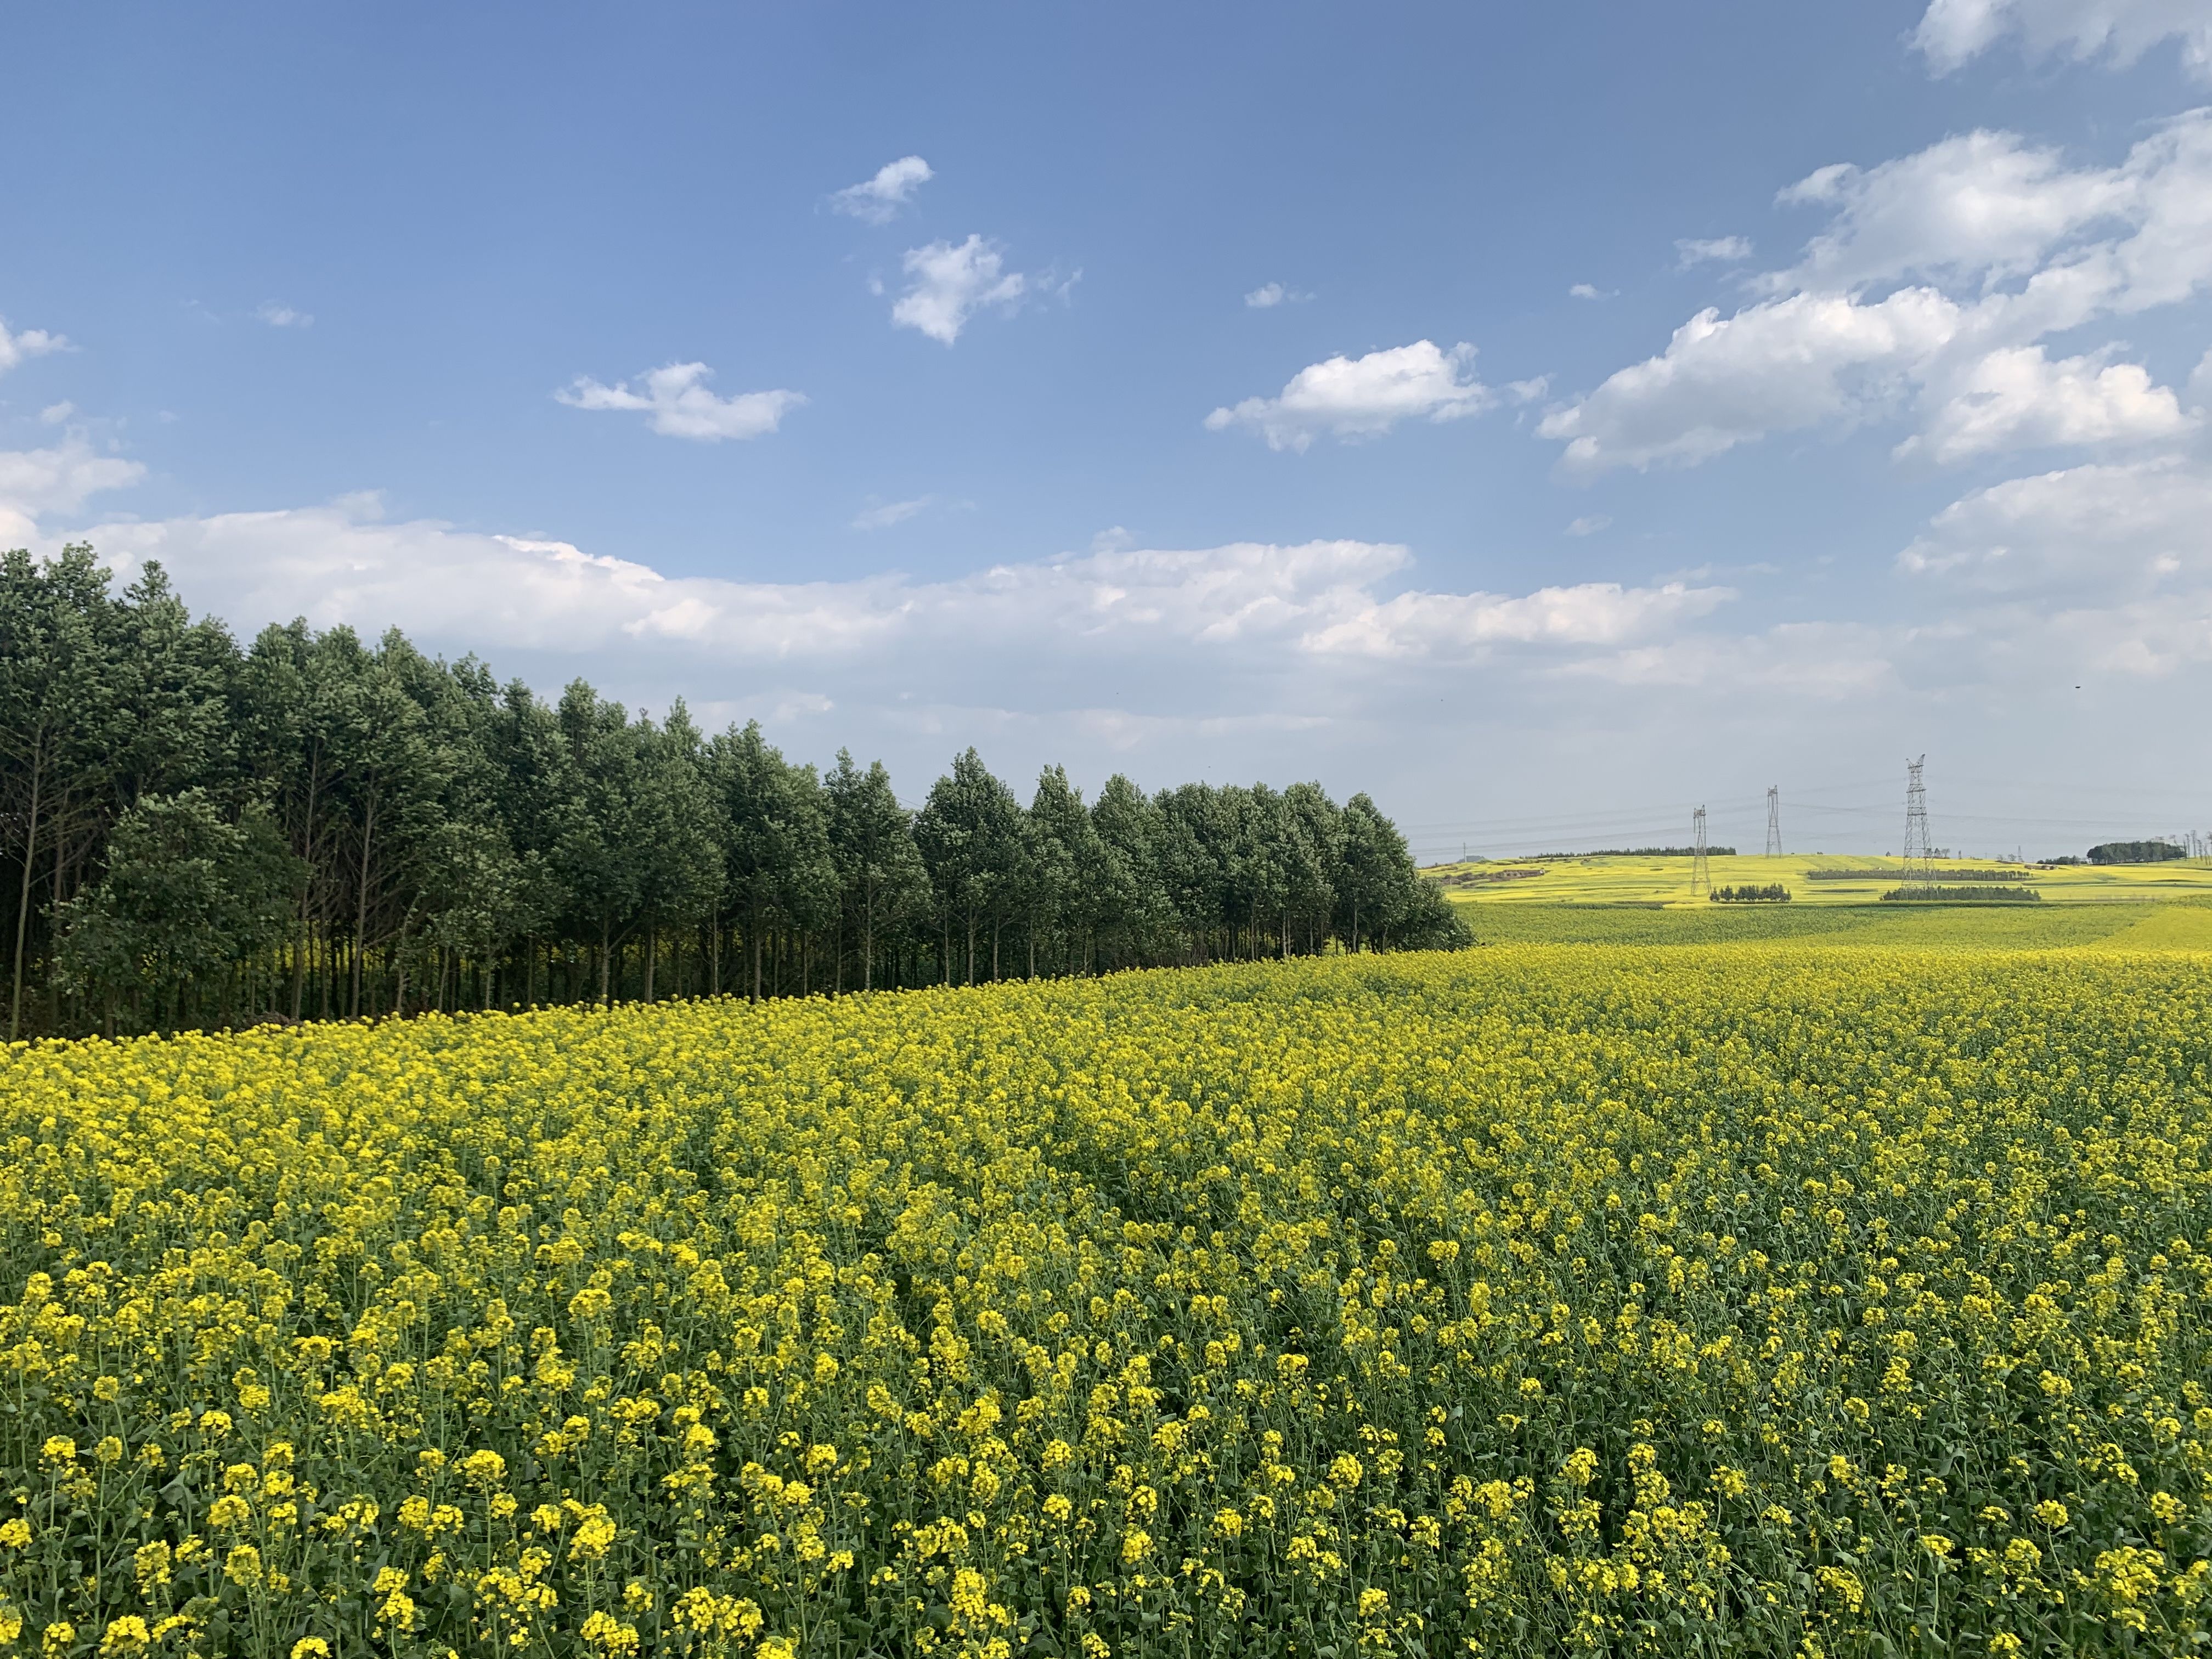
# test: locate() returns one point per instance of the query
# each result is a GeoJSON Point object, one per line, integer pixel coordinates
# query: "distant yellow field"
{"type": "Point", "coordinates": [1667, 880]}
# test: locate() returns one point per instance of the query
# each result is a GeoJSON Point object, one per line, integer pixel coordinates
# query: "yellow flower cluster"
{"type": "Point", "coordinates": [1533, 1300]}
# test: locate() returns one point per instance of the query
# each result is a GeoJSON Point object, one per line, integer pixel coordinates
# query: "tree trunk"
{"type": "Point", "coordinates": [23, 902]}
{"type": "Point", "coordinates": [307, 898]}
{"type": "Point", "coordinates": [752, 932]}
{"type": "Point", "coordinates": [361, 916]}
{"type": "Point", "coordinates": [652, 953]}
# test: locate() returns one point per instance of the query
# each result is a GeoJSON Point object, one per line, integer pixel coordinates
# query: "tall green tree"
{"type": "Point", "coordinates": [776, 852]}
{"type": "Point", "coordinates": [185, 899]}
{"type": "Point", "coordinates": [968, 831]}
{"type": "Point", "coordinates": [880, 876]}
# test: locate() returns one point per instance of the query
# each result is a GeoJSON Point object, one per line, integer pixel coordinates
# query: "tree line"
{"type": "Point", "coordinates": [195, 834]}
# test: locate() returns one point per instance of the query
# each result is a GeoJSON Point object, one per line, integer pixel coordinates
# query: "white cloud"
{"type": "Point", "coordinates": [677, 399]}
{"type": "Point", "coordinates": [951, 283]}
{"type": "Point", "coordinates": [1777, 367]}
{"type": "Point", "coordinates": [1443, 624]}
{"type": "Point", "coordinates": [282, 316]}
{"type": "Point", "coordinates": [2115, 529]}
{"type": "Point", "coordinates": [31, 342]}
{"type": "Point", "coordinates": [1589, 525]}
{"type": "Point", "coordinates": [877, 201]}
{"type": "Point", "coordinates": [1952, 32]}
{"type": "Point", "coordinates": [1724, 250]}
{"type": "Point", "coordinates": [1981, 204]}
{"type": "Point", "coordinates": [2016, 398]}
{"type": "Point", "coordinates": [1261, 660]}
{"type": "Point", "coordinates": [890, 513]}
{"type": "Point", "coordinates": [1268, 294]}
{"type": "Point", "coordinates": [36, 482]}
{"type": "Point", "coordinates": [1587, 291]}
{"type": "Point", "coordinates": [2006, 245]}
{"type": "Point", "coordinates": [1243, 605]}
{"type": "Point", "coordinates": [1364, 396]}
{"type": "Point", "coordinates": [1986, 208]}
{"type": "Point", "coordinates": [1820, 662]}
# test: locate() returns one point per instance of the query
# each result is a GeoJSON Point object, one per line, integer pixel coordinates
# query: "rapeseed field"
{"type": "Point", "coordinates": [1524, 1301]}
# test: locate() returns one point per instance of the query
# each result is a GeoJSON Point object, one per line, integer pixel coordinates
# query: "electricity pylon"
{"type": "Point", "coordinates": [1919, 851]}
{"type": "Point", "coordinates": [1701, 874]}
{"type": "Point", "coordinates": [1774, 820]}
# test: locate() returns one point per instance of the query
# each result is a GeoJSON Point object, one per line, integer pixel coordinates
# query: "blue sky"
{"type": "Point", "coordinates": [1546, 418]}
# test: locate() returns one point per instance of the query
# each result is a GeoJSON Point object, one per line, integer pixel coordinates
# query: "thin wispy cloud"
{"type": "Point", "coordinates": [678, 405]}
{"type": "Point", "coordinates": [282, 316]}
{"type": "Point", "coordinates": [2116, 32]}
{"type": "Point", "coordinates": [878, 201]}
{"type": "Point", "coordinates": [1718, 250]}
{"type": "Point", "coordinates": [890, 513]}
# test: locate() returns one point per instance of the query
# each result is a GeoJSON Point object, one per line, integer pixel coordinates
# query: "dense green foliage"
{"type": "Point", "coordinates": [1966, 895]}
{"type": "Point", "coordinates": [194, 833]}
{"type": "Point", "coordinates": [2136, 852]}
{"type": "Point", "coordinates": [1773, 893]}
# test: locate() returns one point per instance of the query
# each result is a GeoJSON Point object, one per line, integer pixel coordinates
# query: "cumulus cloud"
{"type": "Point", "coordinates": [677, 399]}
{"type": "Point", "coordinates": [877, 201]}
{"type": "Point", "coordinates": [1244, 604]}
{"type": "Point", "coordinates": [1976, 206]}
{"type": "Point", "coordinates": [2118, 31]}
{"type": "Point", "coordinates": [2002, 243]}
{"type": "Point", "coordinates": [2118, 528]}
{"type": "Point", "coordinates": [1589, 613]}
{"type": "Point", "coordinates": [1355, 398]}
{"type": "Point", "coordinates": [59, 479]}
{"type": "Point", "coordinates": [948, 282]}
{"type": "Point", "coordinates": [31, 342]}
{"type": "Point", "coordinates": [282, 316]}
{"type": "Point", "coordinates": [1778, 367]}
{"type": "Point", "coordinates": [2017, 398]}
{"type": "Point", "coordinates": [1587, 291]}
{"type": "Point", "coordinates": [1589, 525]}
{"type": "Point", "coordinates": [1270, 295]}
{"type": "Point", "coordinates": [1724, 250]}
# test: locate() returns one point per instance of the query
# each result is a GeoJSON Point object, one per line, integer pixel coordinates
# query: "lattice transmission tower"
{"type": "Point", "coordinates": [1919, 851]}
{"type": "Point", "coordinates": [1701, 873]}
{"type": "Point", "coordinates": [1774, 820]}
